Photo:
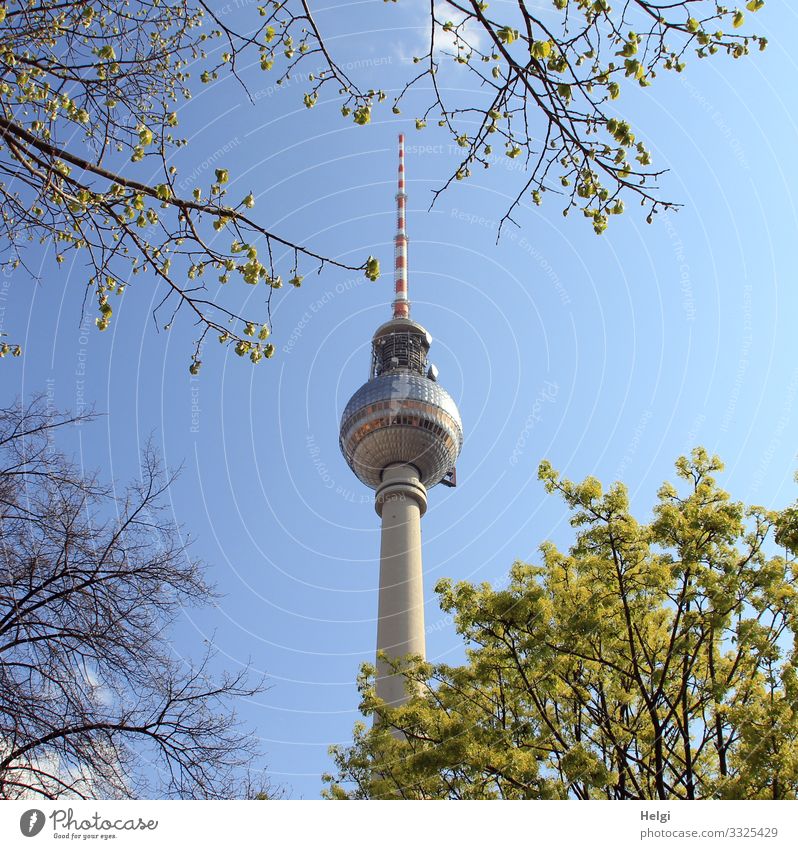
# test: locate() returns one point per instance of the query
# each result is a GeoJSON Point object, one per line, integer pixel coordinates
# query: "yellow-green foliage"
{"type": "Point", "coordinates": [648, 661]}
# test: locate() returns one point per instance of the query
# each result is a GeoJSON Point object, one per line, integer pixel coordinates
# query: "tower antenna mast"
{"type": "Point", "coordinates": [401, 306]}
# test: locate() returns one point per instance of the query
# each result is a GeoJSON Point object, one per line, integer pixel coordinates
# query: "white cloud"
{"type": "Point", "coordinates": [444, 41]}
{"type": "Point", "coordinates": [471, 33]}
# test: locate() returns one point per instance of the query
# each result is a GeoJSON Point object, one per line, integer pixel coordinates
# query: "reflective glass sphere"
{"type": "Point", "coordinates": [401, 417]}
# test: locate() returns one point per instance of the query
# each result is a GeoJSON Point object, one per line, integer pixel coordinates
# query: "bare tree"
{"type": "Point", "coordinates": [93, 702]}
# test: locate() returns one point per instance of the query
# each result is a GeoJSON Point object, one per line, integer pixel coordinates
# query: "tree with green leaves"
{"type": "Point", "coordinates": [90, 94]}
{"type": "Point", "coordinates": [545, 85]}
{"type": "Point", "coordinates": [651, 661]}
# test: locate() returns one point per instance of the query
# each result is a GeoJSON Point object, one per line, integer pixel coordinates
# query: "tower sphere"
{"type": "Point", "coordinates": [401, 417]}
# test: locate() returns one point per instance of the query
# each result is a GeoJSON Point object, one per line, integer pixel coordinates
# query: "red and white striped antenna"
{"type": "Point", "coordinates": [401, 306]}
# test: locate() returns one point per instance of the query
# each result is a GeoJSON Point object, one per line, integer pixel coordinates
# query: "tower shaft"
{"type": "Point", "coordinates": [400, 501]}
{"type": "Point", "coordinates": [401, 306]}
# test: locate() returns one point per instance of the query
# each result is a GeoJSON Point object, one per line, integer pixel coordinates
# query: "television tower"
{"type": "Point", "coordinates": [401, 434]}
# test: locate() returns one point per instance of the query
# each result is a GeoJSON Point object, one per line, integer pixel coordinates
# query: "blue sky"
{"type": "Point", "coordinates": [608, 356]}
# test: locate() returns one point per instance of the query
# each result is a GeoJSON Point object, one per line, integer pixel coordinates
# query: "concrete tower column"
{"type": "Point", "coordinates": [400, 501]}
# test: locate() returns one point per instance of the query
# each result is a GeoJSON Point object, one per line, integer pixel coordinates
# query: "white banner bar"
{"type": "Point", "coordinates": [335, 825]}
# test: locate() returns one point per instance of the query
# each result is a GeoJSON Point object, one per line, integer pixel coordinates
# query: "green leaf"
{"type": "Point", "coordinates": [362, 115]}
{"type": "Point", "coordinates": [372, 268]}
{"type": "Point", "coordinates": [507, 35]}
